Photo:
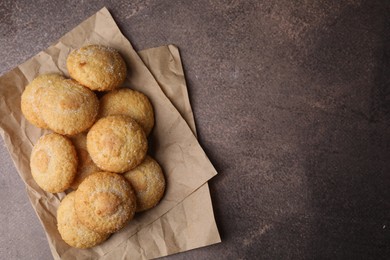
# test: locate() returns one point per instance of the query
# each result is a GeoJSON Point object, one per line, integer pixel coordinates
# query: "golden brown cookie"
{"type": "Point", "coordinates": [117, 143]}
{"type": "Point", "coordinates": [128, 102]}
{"type": "Point", "coordinates": [53, 163]}
{"type": "Point", "coordinates": [105, 202]}
{"type": "Point", "coordinates": [72, 231]}
{"type": "Point", "coordinates": [31, 98]}
{"type": "Point", "coordinates": [85, 166]}
{"type": "Point", "coordinates": [97, 67]}
{"type": "Point", "coordinates": [69, 108]}
{"type": "Point", "coordinates": [148, 182]}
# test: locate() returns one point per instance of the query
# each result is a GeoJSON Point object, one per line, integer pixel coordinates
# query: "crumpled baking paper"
{"type": "Point", "coordinates": [172, 226]}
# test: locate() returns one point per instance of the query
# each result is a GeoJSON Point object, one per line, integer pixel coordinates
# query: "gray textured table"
{"type": "Point", "coordinates": [292, 105]}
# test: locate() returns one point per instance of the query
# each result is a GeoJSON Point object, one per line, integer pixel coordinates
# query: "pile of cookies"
{"type": "Point", "coordinates": [97, 151]}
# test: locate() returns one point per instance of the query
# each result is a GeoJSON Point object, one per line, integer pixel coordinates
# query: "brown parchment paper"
{"type": "Point", "coordinates": [174, 145]}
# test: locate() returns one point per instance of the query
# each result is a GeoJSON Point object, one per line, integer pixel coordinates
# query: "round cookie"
{"type": "Point", "coordinates": [148, 182]}
{"type": "Point", "coordinates": [53, 163]}
{"type": "Point", "coordinates": [128, 102]}
{"type": "Point", "coordinates": [31, 98]}
{"type": "Point", "coordinates": [105, 202]}
{"type": "Point", "coordinates": [85, 166]}
{"type": "Point", "coordinates": [117, 143]}
{"type": "Point", "coordinates": [97, 67]}
{"type": "Point", "coordinates": [72, 231]}
{"type": "Point", "coordinates": [69, 108]}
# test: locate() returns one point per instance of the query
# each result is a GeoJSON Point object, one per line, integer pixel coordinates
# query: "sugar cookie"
{"type": "Point", "coordinates": [31, 98]}
{"type": "Point", "coordinates": [72, 231]}
{"type": "Point", "coordinates": [53, 163]}
{"type": "Point", "coordinates": [69, 108]}
{"type": "Point", "coordinates": [117, 143]}
{"type": "Point", "coordinates": [128, 102]}
{"type": "Point", "coordinates": [105, 202]}
{"type": "Point", "coordinates": [148, 182]}
{"type": "Point", "coordinates": [97, 67]}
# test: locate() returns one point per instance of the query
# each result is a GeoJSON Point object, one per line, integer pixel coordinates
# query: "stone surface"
{"type": "Point", "coordinates": [292, 105]}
